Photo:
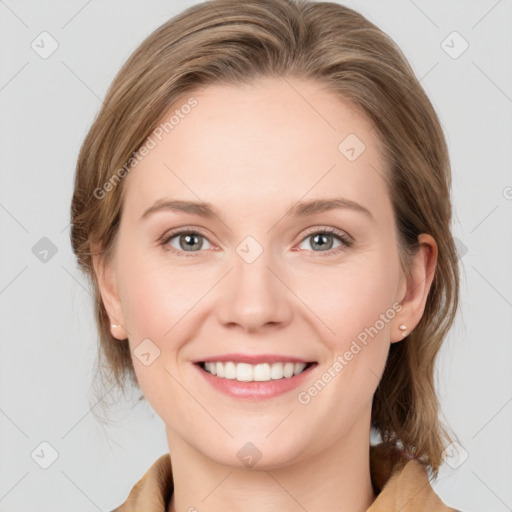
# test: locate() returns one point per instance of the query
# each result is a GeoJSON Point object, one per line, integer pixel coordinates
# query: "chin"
{"type": "Point", "coordinates": [256, 452]}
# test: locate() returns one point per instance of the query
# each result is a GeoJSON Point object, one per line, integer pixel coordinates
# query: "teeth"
{"type": "Point", "coordinates": [288, 369]}
{"type": "Point", "coordinates": [261, 372]}
{"type": "Point", "coordinates": [245, 372]}
{"type": "Point", "coordinates": [230, 370]}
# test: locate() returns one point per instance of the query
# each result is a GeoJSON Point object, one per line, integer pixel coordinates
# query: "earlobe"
{"type": "Point", "coordinates": [418, 285]}
{"type": "Point", "coordinates": [399, 332]}
{"type": "Point", "coordinates": [106, 283]}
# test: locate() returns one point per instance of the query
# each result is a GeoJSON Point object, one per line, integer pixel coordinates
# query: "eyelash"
{"type": "Point", "coordinates": [346, 242]}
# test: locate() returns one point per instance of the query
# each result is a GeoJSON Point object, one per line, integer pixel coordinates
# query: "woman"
{"type": "Point", "coordinates": [263, 208]}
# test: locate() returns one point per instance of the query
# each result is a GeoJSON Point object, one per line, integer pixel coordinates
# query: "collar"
{"type": "Point", "coordinates": [400, 482]}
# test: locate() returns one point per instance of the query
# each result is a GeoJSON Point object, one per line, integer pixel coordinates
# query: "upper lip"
{"type": "Point", "coordinates": [253, 358]}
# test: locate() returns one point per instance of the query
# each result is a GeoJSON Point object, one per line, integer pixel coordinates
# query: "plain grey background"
{"type": "Point", "coordinates": [48, 339]}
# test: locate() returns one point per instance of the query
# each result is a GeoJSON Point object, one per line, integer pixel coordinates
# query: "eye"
{"type": "Point", "coordinates": [191, 241]}
{"type": "Point", "coordinates": [187, 241]}
{"type": "Point", "coordinates": [323, 240]}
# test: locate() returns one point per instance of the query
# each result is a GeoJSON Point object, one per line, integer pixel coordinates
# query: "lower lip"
{"type": "Point", "coordinates": [256, 390]}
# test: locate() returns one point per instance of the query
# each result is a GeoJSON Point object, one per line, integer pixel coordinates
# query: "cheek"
{"type": "Point", "coordinates": [356, 306]}
{"type": "Point", "coordinates": [160, 303]}
{"type": "Point", "coordinates": [351, 299]}
{"type": "Point", "coordinates": [156, 301]}
{"type": "Point", "coordinates": [157, 297]}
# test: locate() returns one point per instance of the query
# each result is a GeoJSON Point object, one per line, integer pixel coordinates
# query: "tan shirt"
{"type": "Point", "coordinates": [401, 484]}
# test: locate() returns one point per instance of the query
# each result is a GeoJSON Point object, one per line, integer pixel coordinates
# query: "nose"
{"type": "Point", "coordinates": [255, 296]}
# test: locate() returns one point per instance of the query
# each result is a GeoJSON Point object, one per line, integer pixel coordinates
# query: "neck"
{"type": "Point", "coordinates": [335, 479]}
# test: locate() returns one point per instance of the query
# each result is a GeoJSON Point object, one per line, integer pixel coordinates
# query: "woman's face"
{"type": "Point", "coordinates": [317, 285]}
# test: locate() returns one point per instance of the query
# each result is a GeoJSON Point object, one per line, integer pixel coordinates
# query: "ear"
{"type": "Point", "coordinates": [105, 276]}
{"type": "Point", "coordinates": [417, 287]}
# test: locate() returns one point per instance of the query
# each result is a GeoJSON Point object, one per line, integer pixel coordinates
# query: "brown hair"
{"type": "Point", "coordinates": [231, 42]}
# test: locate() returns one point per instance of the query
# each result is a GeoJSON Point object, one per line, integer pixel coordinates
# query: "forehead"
{"type": "Point", "coordinates": [269, 143]}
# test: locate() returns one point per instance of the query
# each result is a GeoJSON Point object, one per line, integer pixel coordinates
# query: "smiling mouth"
{"type": "Point", "coordinates": [262, 372]}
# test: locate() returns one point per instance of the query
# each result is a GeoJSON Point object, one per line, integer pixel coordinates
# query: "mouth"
{"type": "Point", "coordinates": [261, 372]}
{"type": "Point", "coordinates": [255, 377]}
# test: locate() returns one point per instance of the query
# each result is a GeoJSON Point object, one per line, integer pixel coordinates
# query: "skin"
{"type": "Point", "coordinates": [252, 152]}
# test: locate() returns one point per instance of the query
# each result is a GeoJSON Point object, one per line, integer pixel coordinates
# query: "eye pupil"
{"type": "Point", "coordinates": [322, 243]}
{"type": "Point", "coordinates": [189, 240]}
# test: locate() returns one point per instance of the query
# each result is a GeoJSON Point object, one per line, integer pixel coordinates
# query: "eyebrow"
{"type": "Point", "coordinates": [300, 209]}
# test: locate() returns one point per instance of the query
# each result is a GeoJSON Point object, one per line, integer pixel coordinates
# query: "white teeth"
{"type": "Point", "coordinates": [211, 368]}
{"type": "Point", "coordinates": [243, 372]}
{"type": "Point", "coordinates": [298, 368]}
{"type": "Point", "coordinates": [230, 371]}
{"type": "Point", "coordinates": [276, 371]}
{"type": "Point", "coordinates": [262, 372]}
{"type": "Point", "coordinates": [288, 369]}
